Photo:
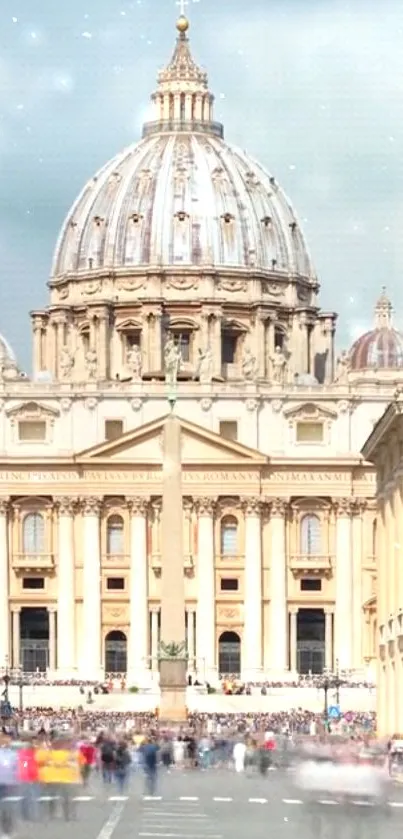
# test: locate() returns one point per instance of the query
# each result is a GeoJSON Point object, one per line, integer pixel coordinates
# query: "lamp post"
{"type": "Point", "coordinates": [21, 692]}
{"type": "Point", "coordinates": [337, 682]}
{"type": "Point", "coordinates": [326, 686]}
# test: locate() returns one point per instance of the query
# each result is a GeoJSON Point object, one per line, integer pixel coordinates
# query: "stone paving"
{"type": "Point", "coordinates": [217, 805]}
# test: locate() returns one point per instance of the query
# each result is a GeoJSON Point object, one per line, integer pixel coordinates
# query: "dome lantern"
{"type": "Point", "coordinates": [182, 101]}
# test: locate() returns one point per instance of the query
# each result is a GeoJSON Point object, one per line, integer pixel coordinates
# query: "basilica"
{"type": "Point", "coordinates": [183, 254]}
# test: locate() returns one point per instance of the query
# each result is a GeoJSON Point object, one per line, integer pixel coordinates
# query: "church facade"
{"type": "Point", "coordinates": [182, 265]}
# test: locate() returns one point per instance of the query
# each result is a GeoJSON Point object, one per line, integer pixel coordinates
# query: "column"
{"type": "Point", "coordinates": [357, 586]}
{"type": "Point", "coordinates": [138, 608]}
{"type": "Point", "coordinates": [191, 638]}
{"type": "Point", "coordinates": [66, 623]}
{"type": "Point", "coordinates": [205, 620]}
{"type": "Point", "coordinates": [328, 639]}
{"type": "Point", "coordinates": [91, 624]}
{"type": "Point", "coordinates": [344, 585]}
{"type": "Point", "coordinates": [4, 586]}
{"type": "Point", "coordinates": [52, 640]}
{"type": "Point", "coordinates": [293, 639]}
{"type": "Point", "coordinates": [16, 637]}
{"type": "Point", "coordinates": [252, 649]}
{"type": "Point", "coordinates": [154, 637]}
{"type": "Point", "coordinates": [278, 588]}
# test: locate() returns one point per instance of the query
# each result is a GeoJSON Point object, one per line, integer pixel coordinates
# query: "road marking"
{"type": "Point", "coordinates": [118, 798]}
{"type": "Point", "coordinates": [292, 801]}
{"type": "Point", "coordinates": [222, 799]}
{"type": "Point", "coordinates": [359, 803]}
{"type": "Point", "coordinates": [189, 798]}
{"type": "Point", "coordinates": [14, 798]}
{"type": "Point", "coordinates": [48, 798]}
{"type": "Point", "coordinates": [112, 822]}
{"type": "Point", "coordinates": [327, 801]}
{"type": "Point", "coordinates": [180, 835]}
{"type": "Point", "coordinates": [395, 803]}
{"type": "Point", "coordinates": [258, 801]}
{"type": "Point", "coordinates": [152, 797]}
{"type": "Point", "coordinates": [84, 798]}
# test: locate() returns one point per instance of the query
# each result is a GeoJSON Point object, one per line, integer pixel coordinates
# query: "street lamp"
{"type": "Point", "coordinates": [326, 685]}
{"type": "Point", "coordinates": [21, 692]}
{"type": "Point", "coordinates": [337, 682]}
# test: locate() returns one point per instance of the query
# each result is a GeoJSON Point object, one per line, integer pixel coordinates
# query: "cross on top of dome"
{"type": "Point", "coordinates": [383, 311]}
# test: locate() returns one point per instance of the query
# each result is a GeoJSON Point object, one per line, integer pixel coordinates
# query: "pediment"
{"type": "Point", "coordinates": [309, 411]}
{"type": "Point", "coordinates": [129, 323]}
{"type": "Point", "coordinates": [32, 410]}
{"type": "Point", "coordinates": [199, 447]}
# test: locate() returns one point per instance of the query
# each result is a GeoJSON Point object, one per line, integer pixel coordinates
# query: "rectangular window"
{"type": "Point", "coordinates": [309, 584]}
{"type": "Point", "coordinates": [115, 583]}
{"type": "Point", "coordinates": [228, 348]}
{"type": "Point", "coordinates": [33, 431]}
{"type": "Point", "coordinates": [229, 584]}
{"type": "Point", "coordinates": [309, 432]}
{"type": "Point", "coordinates": [229, 430]}
{"type": "Point", "coordinates": [182, 340]}
{"type": "Point", "coordinates": [132, 340]}
{"type": "Point", "coordinates": [113, 429]}
{"type": "Point", "coordinates": [33, 583]}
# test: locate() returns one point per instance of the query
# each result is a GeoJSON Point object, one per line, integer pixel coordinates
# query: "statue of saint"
{"type": "Point", "coordinates": [172, 361]}
{"type": "Point", "coordinates": [342, 368]}
{"type": "Point", "coordinates": [249, 368]}
{"type": "Point", "coordinates": [279, 363]}
{"type": "Point", "coordinates": [10, 370]}
{"type": "Point", "coordinates": [135, 362]}
{"type": "Point", "coordinates": [91, 363]}
{"type": "Point", "coordinates": [66, 362]}
{"type": "Point", "coordinates": [205, 365]}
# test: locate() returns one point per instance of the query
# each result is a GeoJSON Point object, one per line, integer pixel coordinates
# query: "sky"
{"type": "Point", "coordinates": [311, 88]}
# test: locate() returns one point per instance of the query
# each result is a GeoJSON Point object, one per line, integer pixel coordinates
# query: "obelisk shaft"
{"type": "Point", "coordinates": [172, 583]}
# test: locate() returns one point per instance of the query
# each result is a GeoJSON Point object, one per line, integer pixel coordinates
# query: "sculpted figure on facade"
{"type": "Point", "coordinates": [172, 361]}
{"type": "Point", "coordinates": [9, 370]}
{"type": "Point", "coordinates": [66, 362]}
{"type": "Point", "coordinates": [135, 363]}
{"type": "Point", "coordinates": [205, 366]}
{"type": "Point", "coordinates": [249, 366]}
{"type": "Point", "coordinates": [91, 363]}
{"type": "Point", "coordinates": [279, 366]}
{"type": "Point", "coordinates": [342, 367]}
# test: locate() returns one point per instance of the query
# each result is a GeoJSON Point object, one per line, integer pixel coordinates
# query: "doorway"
{"type": "Point", "coordinates": [116, 652]}
{"type": "Point", "coordinates": [34, 640]}
{"type": "Point", "coordinates": [229, 654]}
{"type": "Point", "coordinates": [311, 641]}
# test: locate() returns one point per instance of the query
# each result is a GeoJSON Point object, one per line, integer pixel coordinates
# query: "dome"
{"type": "Point", "coordinates": [382, 347]}
{"type": "Point", "coordinates": [182, 196]}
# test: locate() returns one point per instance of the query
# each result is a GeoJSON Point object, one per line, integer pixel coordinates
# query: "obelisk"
{"type": "Point", "coordinates": [172, 653]}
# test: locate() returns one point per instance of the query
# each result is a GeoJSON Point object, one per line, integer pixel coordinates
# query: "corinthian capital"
{"type": "Point", "coordinates": [91, 505]}
{"type": "Point", "coordinates": [278, 507]}
{"type": "Point", "coordinates": [65, 505]}
{"type": "Point", "coordinates": [4, 504]}
{"type": "Point", "coordinates": [344, 507]}
{"type": "Point", "coordinates": [252, 506]}
{"type": "Point", "coordinates": [137, 504]}
{"type": "Point", "coordinates": [205, 506]}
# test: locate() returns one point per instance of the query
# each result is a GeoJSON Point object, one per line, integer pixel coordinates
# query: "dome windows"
{"type": "Point", "coordinates": [267, 221]}
{"type": "Point", "coordinates": [227, 218]}
{"type": "Point", "coordinates": [136, 218]}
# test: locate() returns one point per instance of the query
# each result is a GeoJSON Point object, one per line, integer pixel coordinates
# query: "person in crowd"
{"type": "Point", "coordinates": [88, 760]}
{"type": "Point", "coordinates": [8, 778]}
{"type": "Point", "coordinates": [107, 759]}
{"type": "Point", "coordinates": [28, 778]}
{"type": "Point", "coordinates": [122, 765]}
{"type": "Point", "coordinates": [150, 755]}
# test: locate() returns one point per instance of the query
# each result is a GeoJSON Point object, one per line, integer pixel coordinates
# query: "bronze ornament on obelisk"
{"type": "Point", "coordinates": [172, 652]}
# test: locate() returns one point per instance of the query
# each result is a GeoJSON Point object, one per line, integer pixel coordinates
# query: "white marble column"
{"type": "Point", "coordinates": [344, 585]}
{"type": "Point", "coordinates": [66, 624]}
{"type": "Point", "coordinates": [4, 585]}
{"type": "Point", "coordinates": [154, 637]}
{"type": "Point", "coordinates": [328, 639]}
{"type": "Point", "coordinates": [293, 639]}
{"type": "Point", "coordinates": [252, 647]}
{"type": "Point", "coordinates": [52, 639]}
{"type": "Point", "coordinates": [138, 608]}
{"type": "Point", "coordinates": [278, 589]}
{"type": "Point", "coordinates": [90, 664]}
{"type": "Point", "coordinates": [191, 638]}
{"type": "Point", "coordinates": [205, 615]}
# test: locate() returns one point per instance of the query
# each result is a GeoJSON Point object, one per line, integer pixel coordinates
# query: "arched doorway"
{"type": "Point", "coordinates": [116, 652]}
{"type": "Point", "coordinates": [311, 641]}
{"type": "Point", "coordinates": [34, 640]}
{"type": "Point", "coordinates": [229, 654]}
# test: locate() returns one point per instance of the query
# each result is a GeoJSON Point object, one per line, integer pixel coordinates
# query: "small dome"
{"type": "Point", "coordinates": [382, 347]}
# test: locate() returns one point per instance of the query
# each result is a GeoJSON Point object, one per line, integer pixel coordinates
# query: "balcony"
{"type": "Point", "coordinates": [308, 565]}
{"type": "Point", "coordinates": [33, 562]}
{"type": "Point", "coordinates": [116, 560]}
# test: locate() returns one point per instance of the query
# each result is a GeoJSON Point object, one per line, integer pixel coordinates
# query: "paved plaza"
{"type": "Point", "coordinates": [218, 805]}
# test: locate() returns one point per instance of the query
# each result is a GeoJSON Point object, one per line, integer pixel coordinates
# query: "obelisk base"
{"type": "Point", "coordinates": [173, 685]}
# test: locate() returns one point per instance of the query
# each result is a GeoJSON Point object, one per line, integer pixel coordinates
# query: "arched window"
{"type": "Point", "coordinates": [229, 536]}
{"type": "Point", "coordinates": [374, 536]}
{"type": "Point", "coordinates": [33, 534]}
{"type": "Point", "coordinates": [310, 535]}
{"type": "Point", "coordinates": [115, 535]}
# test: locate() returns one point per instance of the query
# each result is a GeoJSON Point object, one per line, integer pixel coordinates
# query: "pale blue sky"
{"type": "Point", "coordinates": [312, 88]}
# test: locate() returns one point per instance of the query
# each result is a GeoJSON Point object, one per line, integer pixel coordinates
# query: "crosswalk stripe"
{"type": "Point", "coordinates": [217, 798]}
{"type": "Point", "coordinates": [189, 798]}
{"type": "Point", "coordinates": [118, 798]}
{"type": "Point", "coordinates": [84, 798]}
{"type": "Point", "coordinates": [258, 801]}
{"type": "Point", "coordinates": [292, 801]}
